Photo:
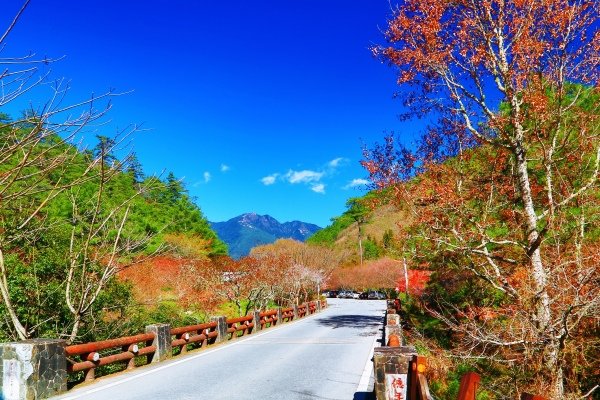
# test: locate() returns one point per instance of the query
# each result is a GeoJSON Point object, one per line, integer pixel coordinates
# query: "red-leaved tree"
{"type": "Point", "coordinates": [506, 189]}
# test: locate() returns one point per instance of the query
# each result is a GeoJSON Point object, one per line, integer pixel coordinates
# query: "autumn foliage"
{"type": "Point", "coordinates": [417, 281]}
{"type": "Point", "coordinates": [376, 274]}
{"type": "Point", "coordinates": [504, 186]}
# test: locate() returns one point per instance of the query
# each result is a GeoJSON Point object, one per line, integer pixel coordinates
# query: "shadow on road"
{"type": "Point", "coordinates": [352, 321]}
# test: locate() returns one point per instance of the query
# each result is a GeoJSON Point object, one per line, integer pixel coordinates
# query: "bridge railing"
{"type": "Point", "coordinates": [89, 356]}
{"type": "Point", "coordinates": [179, 340]}
{"type": "Point", "coordinates": [302, 310]}
{"type": "Point", "coordinates": [237, 327]}
{"type": "Point", "coordinates": [40, 368]}
{"type": "Point", "coordinates": [194, 336]}
{"type": "Point", "coordinates": [268, 318]}
{"type": "Point", "coordinates": [287, 314]}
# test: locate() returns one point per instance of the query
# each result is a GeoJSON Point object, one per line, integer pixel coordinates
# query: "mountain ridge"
{"type": "Point", "coordinates": [248, 230]}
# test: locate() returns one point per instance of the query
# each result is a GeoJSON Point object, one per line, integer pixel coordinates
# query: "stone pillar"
{"type": "Point", "coordinates": [392, 319]}
{"type": "Point", "coordinates": [33, 369]}
{"type": "Point", "coordinates": [295, 312]}
{"type": "Point", "coordinates": [162, 341]}
{"type": "Point", "coordinates": [256, 321]}
{"type": "Point", "coordinates": [391, 369]}
{"type": "Point", "coordinates": [318, 304]}
{"type": "Point", "coordinates": [393, 327]}
{"type": "Point", "coordinates": [279, 316]}
{"type": "Point", "coordinates": [221, 328]}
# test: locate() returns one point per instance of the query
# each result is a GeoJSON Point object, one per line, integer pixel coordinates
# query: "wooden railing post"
{"type": "Point", "coordinates": [418, 366]}
{"type": "Point", "coordinates": [468, 386]}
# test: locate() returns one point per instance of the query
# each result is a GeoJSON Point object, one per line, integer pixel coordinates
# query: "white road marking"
{"type": "Point", "coordinates": [363, 384]}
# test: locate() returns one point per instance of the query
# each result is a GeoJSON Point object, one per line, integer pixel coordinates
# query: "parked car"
{"type": "Point", "coordinates": [376, 296]}
{"type": "Point", "coordinates": [344, 294]}
{"type": "Point", "coordinates": [355, 295]}
{"type": "Point", "coordinates": [330, 293]}
{"type": "Point", "coordinates": [364, 295]}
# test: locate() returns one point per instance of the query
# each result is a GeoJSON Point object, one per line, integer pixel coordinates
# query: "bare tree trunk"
{"type": "Point", "coordinates": [14, 318]}
{"type": "Point", "coordinates": [360, 249]}
{"type": "Point", "coordinates": [542, 317]}
{"type": "Point", "coordinates": [75, 329]}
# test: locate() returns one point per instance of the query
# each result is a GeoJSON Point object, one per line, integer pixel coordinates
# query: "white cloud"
{"type": "Point", "coordinates": [269, 180]}
{"type": "Point", "coordinates": [356, 182]}
{"type": "Point", "coordinates": [318, 188]}
{"type": "Point", "coordinates": [225, 167]}
{"type": "Point", "coordinates": [206, 176]}
{"type": "Point", "coordinates": [336, 162]}
{"type": "Point", "coordinates": [305, 176]}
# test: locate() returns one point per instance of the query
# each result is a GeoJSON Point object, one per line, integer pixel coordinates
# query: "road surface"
{"type": "Point", "coordinates": [324, 356]}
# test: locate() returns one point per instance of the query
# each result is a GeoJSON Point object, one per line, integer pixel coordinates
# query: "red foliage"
{"type": "Point", "coordinates": [417, 281]}
{"type": "Point", "coordinates": [167, 277]}
{"type": "Point", "coordinates": [381, 273]}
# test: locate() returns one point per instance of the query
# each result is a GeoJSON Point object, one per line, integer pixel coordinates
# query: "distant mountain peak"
{"type": "Point", "coordinates": [248, 230]}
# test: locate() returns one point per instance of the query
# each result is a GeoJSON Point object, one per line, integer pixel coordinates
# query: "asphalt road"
{"type": "Point", "coordinates": [325, 356]}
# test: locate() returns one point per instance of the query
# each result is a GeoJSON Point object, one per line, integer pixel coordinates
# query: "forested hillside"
{"type": "Point", "coordinates": [71, 220]}
{"type": "Point", "coordinates": [370, 225]}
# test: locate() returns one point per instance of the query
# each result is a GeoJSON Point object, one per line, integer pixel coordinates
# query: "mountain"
{"type": "Point", "coordinates": [246, 231]}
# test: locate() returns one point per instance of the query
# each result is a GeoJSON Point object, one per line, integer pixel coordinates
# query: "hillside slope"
{"type": "Point", "coordinates": [378, 227]}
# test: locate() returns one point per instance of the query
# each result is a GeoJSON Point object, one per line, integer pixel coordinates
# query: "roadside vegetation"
{"type": "Point", "coordinates": [502, 188]}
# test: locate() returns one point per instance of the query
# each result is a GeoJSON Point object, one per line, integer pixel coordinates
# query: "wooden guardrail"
{"type": "Point", "coordinates": [268, 318]}
{"type": "Point", "coordinates": [162, 339]}
{"type": "Point", "coordinates": [302, 310]}
{"type": "Point", "coordinates": [237, 327]}
{"type": "Point", "coordinates": [198, 335]}
{"type": "Point", "coordinates": [87, 357]}
{"type": "Point", "coordinates": [287, 314]}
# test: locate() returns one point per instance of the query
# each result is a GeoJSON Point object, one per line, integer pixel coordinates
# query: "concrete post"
{"type": "Point", "coordinates": [318, 304]}
{"type": "Point", "coordinates": [33, 369]}
{"type": "Point", "coordinates": [162, 341]}
{"type": "Point", "coordinates": [221, 328]}
{"type": "Point", "coordinates": [391, 366]}
{"type": "Point", "coordinates": [279, 317]}
{"type": "Point", "coordinates": [256, 321]}
{"type": "Point", "coordinates": [295, 312]}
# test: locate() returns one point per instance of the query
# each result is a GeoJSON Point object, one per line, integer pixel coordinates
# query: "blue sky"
{"type": "Point", "coordinates": [259, 106]}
